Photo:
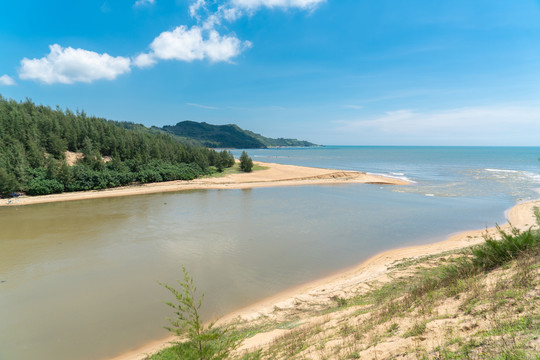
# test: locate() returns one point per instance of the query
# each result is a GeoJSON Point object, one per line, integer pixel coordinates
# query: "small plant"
{"type": "Point", "coordinates": [340, 301]}
{"type": "Point", "coordinates": [416, 330]}
{"type": "Point", "coordinates": [204, 342]}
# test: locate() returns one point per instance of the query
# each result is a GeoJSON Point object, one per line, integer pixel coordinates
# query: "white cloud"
{"type": "Point", "coordinates": [144, 2]}
{"type": "Point", "coordinates": [6, 80]}
{"type": "Point", "coordinates": [69, 65]}
{"type": "Point", "coordinates": [191, 44]}
{"type": "Point", "coordinates": [485, 124]}
{"type": "Point", "coordinates": [144, 60]}
{"type": "Point", "coordinates": [254, 4]}
{"type": "Point", "coordinates": [196, 7]}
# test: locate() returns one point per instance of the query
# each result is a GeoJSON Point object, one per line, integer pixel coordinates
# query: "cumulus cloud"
{"type": "Point", "coordinates": [188, 44]}
{"type": "Point", "coordinates": [200, 42]}
{"type": "Point", "coordinates": [144, 60]}
{"type": "Point", "coordinates": [144, 2]}
{"type": "Point", "coordinates": [6, 80]}
{"type": "Point", "coordinates": [69, 65]}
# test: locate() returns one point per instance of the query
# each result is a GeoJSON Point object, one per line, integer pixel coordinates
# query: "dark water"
{"type": "Point", "coordinates": [78, 280]}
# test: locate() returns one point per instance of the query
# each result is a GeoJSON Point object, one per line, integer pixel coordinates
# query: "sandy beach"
{"type": "Point", "coordinates": [274, 175]}
{"type": "Point", "coordinates": [292, 302]}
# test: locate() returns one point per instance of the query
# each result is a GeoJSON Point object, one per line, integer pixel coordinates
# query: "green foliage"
{"type": "Point", "coordinates": [227, 136]}
{"type": "Point", "coordinates": [246, 164]}
{"type": "Point", "coordinates": [8, 182]}
{"type": "Point", "coordinates": [482, 258]}
{"type": "Point", "coordinates": [494, 253]}
{"type": "Point", "coordinates": [34, 140]}
{"type": "Point", "coordinates": [205, 342]}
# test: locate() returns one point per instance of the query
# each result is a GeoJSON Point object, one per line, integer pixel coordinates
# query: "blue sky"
{"type": "Point", "coordinates": [344, 72]}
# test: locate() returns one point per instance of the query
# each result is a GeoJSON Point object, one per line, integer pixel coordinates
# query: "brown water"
{"type": "Point", "coordinates": [78, 280]}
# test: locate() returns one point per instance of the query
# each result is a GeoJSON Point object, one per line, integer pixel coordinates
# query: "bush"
{"type": "Point", "coordinates": [44, 187]}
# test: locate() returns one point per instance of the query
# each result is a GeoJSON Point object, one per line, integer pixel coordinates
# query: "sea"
{"type": "Point", "coordinates": [81, 279]}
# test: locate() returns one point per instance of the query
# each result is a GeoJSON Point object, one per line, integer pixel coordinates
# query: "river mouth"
{"type": "Point", "coordinates": [80, 279]}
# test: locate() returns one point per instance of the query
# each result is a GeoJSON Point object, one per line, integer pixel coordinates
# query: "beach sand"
{"type": "Point", "coordinates": [293, 302]}
{"type": "Point", "coordinates": [274, 175]}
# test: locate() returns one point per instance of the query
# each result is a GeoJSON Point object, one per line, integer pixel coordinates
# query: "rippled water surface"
{"type": "Point", "coordinates": [78, 280]}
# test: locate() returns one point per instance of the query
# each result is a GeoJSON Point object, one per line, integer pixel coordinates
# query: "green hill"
{"type": "Point", "coordinates": [34, 140]}
{"type": "Point", "coordinates": [227, 136]}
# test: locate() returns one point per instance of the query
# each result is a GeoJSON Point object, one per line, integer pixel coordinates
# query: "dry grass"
{"type": "Point", "coordinates": [451, 306]}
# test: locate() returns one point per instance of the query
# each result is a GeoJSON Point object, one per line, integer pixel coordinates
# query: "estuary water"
{"type": "Point", "coordinates": [79, 280]}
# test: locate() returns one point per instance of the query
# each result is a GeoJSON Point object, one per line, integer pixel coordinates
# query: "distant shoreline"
{"type": "Point", "coordinates": [274, 175]}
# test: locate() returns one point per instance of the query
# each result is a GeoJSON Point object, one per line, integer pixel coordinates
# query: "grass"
{"type": "Point", "coordinates": [235, 169]}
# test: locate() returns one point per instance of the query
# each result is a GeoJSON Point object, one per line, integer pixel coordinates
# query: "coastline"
{"type": "Point", "coordinates": [274, 175]}
{"type": "Point", "coordinates": [347, 281]}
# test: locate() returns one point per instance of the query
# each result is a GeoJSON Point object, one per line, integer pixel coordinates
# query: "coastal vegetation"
{"type": "Point", "coordinates": [226, 136]}
{"type": "Point", "coordinates": [35, 140]}
{"type": "Point", "coordinates": [204, 342]}
{"type": "Point", "coordinates": [476, 303]}
{"type": "Point", "coordinates": [246, 164]}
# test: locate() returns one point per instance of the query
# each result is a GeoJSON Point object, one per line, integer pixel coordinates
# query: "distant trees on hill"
{"type": "Point", "coordinates": [226, 136]}
{"type": "Point", "coordinates": [34, 140]}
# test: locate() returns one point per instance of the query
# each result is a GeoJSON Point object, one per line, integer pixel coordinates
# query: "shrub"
{"type": "Point", "coordinates": [44, 187]}
{"type": "Point", "coordinates": [205, 342]}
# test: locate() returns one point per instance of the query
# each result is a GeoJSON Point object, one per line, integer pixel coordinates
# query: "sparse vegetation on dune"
{"type": "Point", "coordinates": [482, 302]}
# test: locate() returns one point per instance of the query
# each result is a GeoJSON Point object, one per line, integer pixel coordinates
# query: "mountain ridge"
{"type": "Point", "coordinates": [227, 136]}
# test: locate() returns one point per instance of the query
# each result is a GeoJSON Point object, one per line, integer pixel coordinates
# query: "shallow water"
{"type": "Point", "coordinates": [78, 280]}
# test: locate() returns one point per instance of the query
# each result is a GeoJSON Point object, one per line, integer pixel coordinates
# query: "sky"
{"type": "Point", "coordinates": [334, 72]}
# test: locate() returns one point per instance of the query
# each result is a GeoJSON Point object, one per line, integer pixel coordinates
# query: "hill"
{"type": "Point", "coordinates": [35, 139]}
{"type": "Point", "coordinates": [227, 136]}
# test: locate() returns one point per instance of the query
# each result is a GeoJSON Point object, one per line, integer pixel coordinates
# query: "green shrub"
{"type": "Point", "coordinates": [44, 187]}
{"type": "Point", "coordinates": [205, 342]}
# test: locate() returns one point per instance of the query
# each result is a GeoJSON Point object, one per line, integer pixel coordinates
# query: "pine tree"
{"type": "Point", "coordinates": [246, 164]}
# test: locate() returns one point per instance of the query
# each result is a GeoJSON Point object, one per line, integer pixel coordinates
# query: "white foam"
{"type": "Point", "coordinates": [393, 176]}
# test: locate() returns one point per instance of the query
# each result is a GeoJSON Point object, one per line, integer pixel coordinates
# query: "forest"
{"type": "Point", "coordinates": [34, 140]}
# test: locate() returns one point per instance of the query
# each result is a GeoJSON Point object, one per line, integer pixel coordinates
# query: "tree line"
{"type": "Point", "coordinates": [35, 138]}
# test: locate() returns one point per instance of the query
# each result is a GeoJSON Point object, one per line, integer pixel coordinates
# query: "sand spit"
{"type": "Point", "coordinates": [274, 175]}
{"type": "Point", "coordinates": [294, 301]}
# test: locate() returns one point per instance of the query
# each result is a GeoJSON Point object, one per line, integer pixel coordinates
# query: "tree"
{"type": "Point", "coordinates": [8, 183]}
{"type": "Point", "coordinates": [246, 164]}
{"type": "Point", "coordinates": [204, 342]}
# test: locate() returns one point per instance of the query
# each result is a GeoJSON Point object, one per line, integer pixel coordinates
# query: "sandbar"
{"type": "Point", "coordinates": [273, 175]}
